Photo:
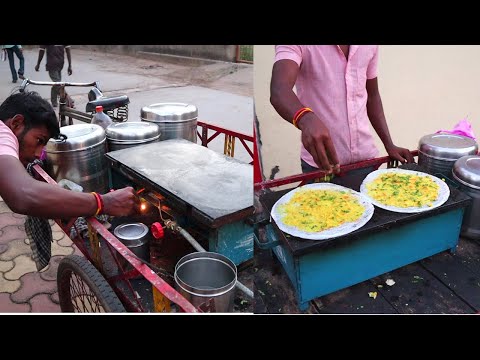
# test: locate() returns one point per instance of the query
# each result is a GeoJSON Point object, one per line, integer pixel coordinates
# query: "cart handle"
{"type": "Point", "coordinates": [27, 81]}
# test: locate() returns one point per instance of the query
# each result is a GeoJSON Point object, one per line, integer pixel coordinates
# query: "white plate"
{"type": "Point", "coordinates": [444, 191]}
{"type": "Point", "coordinates": [329, 233]}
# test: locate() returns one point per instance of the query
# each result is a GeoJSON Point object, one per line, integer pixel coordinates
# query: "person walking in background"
{"type": "Point", "coordinates": [17, 50]}
{"type": "Point", "coordinates": [54, 66]}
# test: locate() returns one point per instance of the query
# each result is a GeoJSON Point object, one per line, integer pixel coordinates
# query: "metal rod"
{"type": "Point", "coordinates": [225, 131]}
{"type": "Point", "coordinates": [58, 83]}
{"type": "Point", "coordinates": [321, 173]}
{"type": "Point", "coordinates": [78, 115]}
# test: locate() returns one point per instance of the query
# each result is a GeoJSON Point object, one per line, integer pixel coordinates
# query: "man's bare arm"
{"type": "Point", "coordinates": [25, 195]}
{"type": "Point", "coordinates": [315, 136]}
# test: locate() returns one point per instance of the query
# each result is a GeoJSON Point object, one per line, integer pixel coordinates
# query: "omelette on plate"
{"type": "Point", "coordinates": [403, 190]}
{"type": "Point", "coordinates": [318, 210]}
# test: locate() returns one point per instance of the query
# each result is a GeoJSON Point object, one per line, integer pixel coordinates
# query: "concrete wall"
{"type": "Point", "coordinates": [424, 89]}
{"type": "Point", "coordinates": [212, 52]}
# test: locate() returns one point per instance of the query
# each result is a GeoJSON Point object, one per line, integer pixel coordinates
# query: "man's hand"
{"type": "Point", "coordinates": [122, 202]}
{"type": "Point", "coordinates": [401, 154]}
{"type": "Point", "coordinates": [69, 70]}
{"type": "Point", "coordinates": [316, 139]}
{"type": "Point", "coordinates": [37, 67]}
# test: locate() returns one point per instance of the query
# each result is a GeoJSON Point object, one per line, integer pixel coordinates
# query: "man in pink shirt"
{"type": "Point", "coordinates": [338, 86]}
{"type": "Point", "coordinates": [27, 122]}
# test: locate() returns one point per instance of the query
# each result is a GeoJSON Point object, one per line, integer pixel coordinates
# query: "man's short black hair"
{"type": "Point", "coordinates": [36, 111]}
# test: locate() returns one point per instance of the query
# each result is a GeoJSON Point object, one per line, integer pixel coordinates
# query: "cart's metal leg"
{"type": "Point", "coordinates": [95, 245]}
{"type": "Point", "coordinates": [160, 302]}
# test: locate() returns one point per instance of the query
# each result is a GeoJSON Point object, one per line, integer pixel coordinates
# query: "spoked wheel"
{"type": "Point", "coordinates": [83, 289]}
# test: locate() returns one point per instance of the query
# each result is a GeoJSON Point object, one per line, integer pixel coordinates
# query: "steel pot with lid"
{"type": "Point", "coordinates": [438, 152]}
{"type": "Point", "coordinates": [80, 158]}
{"type": "Point", "coordinates": [135, 236]}
{"type": "Point", "coordinates": [175, 120]}
{"type": "Point", "coordinates": [466, 173]}
{"type": "Point", "coordinates": [128, 134]}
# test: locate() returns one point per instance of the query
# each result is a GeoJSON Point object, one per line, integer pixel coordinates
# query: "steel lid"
{"type": "Point", "coordinates": [467, 171]}
{"type": "Point", "coordinates": [169, 112]}
{"type": "Point", "coordinates": [447, 146]}
{"type": "Point", "coordinates": [132, 132]}
{"type": "Point", "coordinates": [131, 231]}
{"type": "Point", "coordinates": [79, 137]}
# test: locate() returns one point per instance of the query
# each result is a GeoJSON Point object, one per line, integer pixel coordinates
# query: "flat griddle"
{"type": "Point", "coordinates": [212, 188]}
{"type": "Point", "coordinates": [382, 220]}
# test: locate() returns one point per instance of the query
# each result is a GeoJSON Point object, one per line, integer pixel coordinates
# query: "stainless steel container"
{"type": "Point", "coordinates": [81, 158]}
{"type": "Point", "coordinates": [207, 280]}
{"type": "Point", "coordinates": [438, 152]}
{"type": "Point", "coordinates": [176, 120]}
{"type": "Point", "coordinates": [136, 238]}
{"type": "Point", "coordinates": [466, 172]}
{"type": "Point", "coordinates": [128, 134]}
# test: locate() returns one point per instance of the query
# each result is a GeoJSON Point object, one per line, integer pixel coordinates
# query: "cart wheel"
{"type": "Point", "coordinates": [81, 288]}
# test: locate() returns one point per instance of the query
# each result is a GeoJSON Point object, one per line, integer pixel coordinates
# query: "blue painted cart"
{"type": "Point", "coordinates": [388, 241]}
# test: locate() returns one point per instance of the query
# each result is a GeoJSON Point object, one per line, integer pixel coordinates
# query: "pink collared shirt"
{"type": "Point", "coordinates": [335, 89]}
{"type": "Point", "coordinates": [8, 141]}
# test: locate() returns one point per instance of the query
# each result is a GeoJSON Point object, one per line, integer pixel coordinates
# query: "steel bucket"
{"type": "Point", "coordinates": [81, 158]}
{"type": "Point", "coordinates": [175, 120]}
{"type": "Point", "coordinates": [129, 134]}
{"type": "Point", "coordinates": [207, 280]}
{"type": "Point", "coordinates": [466, 173]}
{"type": "Point", "coordinates": [136, 237]}
{"type": "Point", "coordinates": [437, 153]}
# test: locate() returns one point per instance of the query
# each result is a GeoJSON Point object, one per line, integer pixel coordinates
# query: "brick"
{"type": "Point", "coordinates": [60, 250]}
{"type": "Point", "coordinates": [7, 306]}
{"type": "Point", "coordinates": [54, 298]}
{"type": "Point", "coordinates": [6, 266]}
{"type": "Point", "coordinates": [10, 233]}
{"type": "Point", "coordinates": [42, 303]}
{"type": "Point", "coordinates": [19, 216]}
{"type": "Point", "coordinates": [76, 251]}
{"type": "Point", "coordinates": [66, 241]}
{"type": "Point", "coordinates": [3, 247]}
{"type": "Point", "coordinates": [23, 265]}
{"type": "Point", "coordinates": [33, 284]}
{"type": "Point", "coordinates": [8, 286]}
{"type": "Point", "coordinates": [4, 208]}
{"type": "Point", "coordinates": [58, 235]}
{"type": "Point", "coordinates": [56, 227]}
{"type": "Point", "coordinates": [16, 248]}
{"type": "Point", "coordinates": [10, 219]}
{"type": "Point", "coordinates": [50, 274]}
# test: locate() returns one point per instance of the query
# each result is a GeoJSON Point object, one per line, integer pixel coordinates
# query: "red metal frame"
{"type": "Point", "coordinates": [257, 166]}
{"type": "Point", "coordinates": [302, 178]}
{"type": "Point", "coordinates": [205, 139]}
{"type": "Point", "coordinates": [115, 245]}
